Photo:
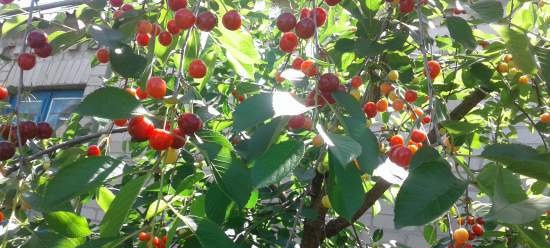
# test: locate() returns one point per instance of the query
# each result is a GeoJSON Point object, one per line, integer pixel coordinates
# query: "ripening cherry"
{"type": "Point", "coordinates": [386, 88]}
{"type": "Point", "coordinates": [143, 39]}
{"type": "Point", "coordinates": [156, 30]}
{"type": "Point", "coordinates": [305, 28]}
{"type": "Point", "coordinates": [413, 148]}
{"type": "Point", "coordinates": [317, 141]}
{"type": "Point", "coordinates": [411, 96]}
{"type": "Point", "coordinates": [288, 42]}
{"type": "Point", "coordinates": [102, 55]}
{"type": "Point", "coordinates": [434, 68]}
{"type": "Point", "coordinates": [507, 58]}
{"type": "Point", "coordinates": [140, 94]}
{"type": "Point", "coordinates": [470, 220]}
{"type": "Point", "coordinates": [297, 63]}
{"type": "Point", "coordinates": [140, 128]}
{"type": "Point", "coordinates": [172, 27]}
{"type": "Point", "coordinates": [156, 87]}
{"type": "Point", "coordinates": [206, 21]}
{"type": "Point", "coordinates": [44, 51]}
{"type": "Point", "coordinates": [7, 150]}
{"type": "Point", "coordinates": [296, 122]}
{"type": "Point", "coordinates": [120, 122]}
{"type": "Point", "coordinates": [305, 13]}
{"type": "Point", "coordinates": [356, 82]}
{"type": "Point", "coordinates": [370, 109]}
{"type": "Point", "coordinates": [319, 15]}
{"type": "Point", "coordinates": [143, 236]}
{"type": "Point", "coordinates": [3, 93]}
{"type": "Point", "coordinates": [523, 80]}
{"type": "Point", "coordinates": [94, 151]}
{"type": "Point", "coordinates": [197, 69]}
{"type": "Point", "coordinates": [189, 123]}
{"type": "Point", "coordinates": [398, 105]}
{"type": "Point", "coordinates": [308, 68]}
{"type": "Point", "coordinates": [406, 6]}
{"type": "Point", "coordinates": [426, 119]}
{"type": "Point", "coordinates": [43, 130]}
{"type": "Point", "coordinates": [286, 22]}
{"type": "Point", "coordinates": [175, 5]}
{"type": "Point", "coordinates": [26, 61]}
{"type": "Point", "coordinates": [545, 118]}
{"type": "Point", "coordinates": [127, 7]}
{"type": "Point", "coordinates": [328, 82]}
{"type": "Point", "coordinates": [184, 18]}
{"type": "Point", "coordinates": [400, 155]}
{"type": "Point", "coordinates": [332, 2]}
{"type": "Point", "coordinates": [382, 105]}
{"type": "Point", "coordinates": [165, 38]}
{"type": "Point", "coordinates": [116, 3]}
{"type": "Point", "coordinates": [478, 229]}
{"type": "Point", "coordinates": [418, 136]}
{"type": "Point", "coordinates": [416, 112]}
{"type": "Point", "coordinates": [160, 139]}
{"type": "Point", "coordinates": [28, 130]}
{"type": "Point", "coordinates": [37, 39]}
{"type": "Point", "coordinates": [232, 20]}
{"type": "Point", "coordinates": [393, 75]}
{"type": "Point", "coordinates": [480, 220]}
{"type": "Point", "coordinates": [460, 236]}
{"type": "Point", "coordinates": [144, 27]}
{"type": "Point", "coordinates": [396, 140]}
{"type": "Point", "coordinates": [179, 139]}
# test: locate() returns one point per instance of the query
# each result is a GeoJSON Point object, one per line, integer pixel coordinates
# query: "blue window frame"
{"type": "Point", "coordinates": [52, 106]}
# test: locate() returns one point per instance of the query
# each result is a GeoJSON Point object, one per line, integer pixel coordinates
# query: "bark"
{"type": "Point", "coordinates": [313, 228]}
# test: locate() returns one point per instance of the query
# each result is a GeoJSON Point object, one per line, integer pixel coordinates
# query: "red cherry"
{"type": "Point", "coordinates": [143, 236]}
{"type": "Point", "coordinates": [308, 68]}
{"type": "Point", "coordinates": [406, 6]}
{"type": "Point", "coordinates": [471, 235]}
{"type": "Point", "coordinates": [396, 140]}
{"type": "Point", "coordinates": [127, 7]}
{"type": "Point", "coordinates": [26, 61]}
{"type": "Point", "coordinates": [356, 82]}
{"type": "Point", "coordinates": [37, 39]}
{"type": "Point", "coordinates": [197, 69]}
{"type": "Point", "coordinates": [177, 4]}
{"type": "Point", "coordinates": [28, 130]}
{"type": "Point", "coordinates": [143, 39]}
{"type": "Point", "coordinates": [120, 122]}
{"type": "Point", "coordinates": [189, 123]}
{"type": "Point", "coordinates": [165, 38]}
{"type": "Point", "coordinates": [172, 27]}
{"type": "Point", "coordinates": [400, 155]}
{"type": "Point", "coordinates": [156, 30]}
{"type": "Point", "coordinates": [304, 13]}
{"type": "Point", "coordinates": [480, 220]}
{"type": "Point", "coordinates": [426, 119]}
{"type": "Point", "coordinates": [288, 42]}
{"type": "Point", "coordinates": [470, 220]}
{"type": "Point", "coordinates": [160, 139]}
{"type": "Point", "coordinates": [141, 94]}
{"type": "Point", "coordinates": [116, 3]}
{"type": "Point", "coordinates": [332, 2]}
{"type": "Point", "coordinates": [418, 136]}
{"type": "Point", "coordinates": [232, 20]}
{"type": "Point", "coordinates": [184, 19]}
{"type": "Point", "coordinates": [478, 229]}
{"type": "Point", "coordinates": [94, 151]}
{"type": "Point", "coordinates": [156, 87]}
{"type": "Point", "coordinates": [44, 51]}
{"type": "Point", "coordinates": [5, 131]}
{"type": "Point", "coordinates": [7, 150]}
{"type": "Point", "coordinates": [297, 63]}
{"type": "Point", "coordinates": [286, 22]}
{"type": "Point", "coordinates": [434, 68]}
{"type": "Point", "coordinates": [370, 109]}
{"type": "Point", "coordinates": [156, 241]}
{"type": "Point", "coordinates": [179, 139]}
{"type": "Point", "coordinates": [305, 28]}
{"type": "Point", "coordinates": [3, 93]}
{"type": "Point", "coordinates": [144, 27]}
{"type": "Point", "coordinates": [311, 97]}
{"type": "Point", "coordinates": [329, 82]}
{"type": "Point", "coordinates": [140, 128]}
{"type": "Point", "coordinates": [206, 21]}
{"type": "Point", "coordinates": [328, 97]}
{"type": "Point", "coordinates": [319, 15]}
{"type": "Point", "coordinates": [102, 55]}
{"type": "Point", "coordinates": [411, 96]}
{"type": "Point", "coordinates": [296, 122]}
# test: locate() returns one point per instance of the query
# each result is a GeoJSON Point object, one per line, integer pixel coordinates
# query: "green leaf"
{"type": "Point", "coordinates": [12, 23]}
{"type": "Point", "coordinates": [430, 234]}
{"type": "Point", "coordinates": [369, 158]}
{"type": "Point", "coordinates": [120, 207]}
{"type": "Point", "coordinates": [78, 178]}
{"type": "Point", "coordinates": [543, 55]}
{"type": "Point", "coordinates": [343, 148]}
{"type": "Point", "coordinates": [488, 10]}
{"type": "Point", "coordinates": [521, 159]}
{"type": "Point", "coordinates": [424, 155]}
{"type": "Point", "coordinates": [210, 235]}
{"type": "Point", "coordinates": [277, 163]}
{"type": "Point", "coordinates": [351, 105]}
{"type": "Point", "coordinates": [367, 48]}
{"type": "Point", "coordinates": [461, 32]}
{"type": "Point", "coordinates": [157, 206]}
{"type": "Point", "coordinates": [104, 198]}
{"type": "Point", "coordinates": [216, 204]}
{"type": "Point", "coordinates": [68, 224]}
{"type": "Point", "coordinates": [126, 63]}
{"type": "Point", "coordinates": [50, 239]}
{"type": "Point", "coordinates": [64, 40]}
{"type": "Point", "coordinates": [428, 192]}
{"type": "Point", "coordinates": [109, 103]}
{"type": "Point", "coordinates": [345, 188]}
{"type": "Point", "coordinates": [510, 184]}
{"type": "Point", "coordinates": [377, 235]}
{"type": "Point", "coordinates": [525, 16]}
{"type": "Point", "coordinates": [520, 48]}
{"type": "Point", "coordinates": [240, 50]}
{"type": "Point", "coordinates": [459, 127]}
{"type": "Point", "coordinates": [520, 212]}
{"type": "Point", "coordinates": [106, 36]}
{"type": "Point", "coordinates": [264, 136]}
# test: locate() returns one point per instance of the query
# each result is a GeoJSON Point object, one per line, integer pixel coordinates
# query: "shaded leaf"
{"type": "Point", "coordinates": [126, 63]}
{"type": "Point", "coordinates": [110, 103]}
{"type": "Point", "coordinates": [345, 188]}
{"type": "Point", "coordinates": [521, 159]}
{"type": "Point", "coordinates": [461, 32]}
{"type": "Point", "coordinates": [277, 163]}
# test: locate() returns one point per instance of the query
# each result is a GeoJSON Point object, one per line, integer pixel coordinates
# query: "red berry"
{"type": "Point", "coordinates": [177, 4]}
{"type": "Point", "coordinates": [434, 68]}
{"type": "Point", "coordinates": [155, 31]}
{"type": "Point", "coordinates": [172, 27]}
{"type": "Point", "coordinates": [297, 63]}
{"type": "Point", "coordinates": [141, 94]}
{"type": "Point", "coordinates": [37, 39]}
{"type": "Point", "coordinates": [179, 139]}
{"type": "Point", "coordinates": [319, 15]}
{"type": "Point", "coordinates": [165, 38]}
{"type": "Point", "coordinates": [127, 7]}
{"type": "Point", "coordinates": [471, 235]}
{"type": "Point", "coordinates": [156, 87]}
{"type": "Point", "coordinates": [189, 123]}
{"type": "Point", "coordinates": [332, 2]}
{"type": "Point", "coordinates": [144, 27]}
{"type": "Point", "coordinates": [143, 39]}
{"type": "Point", "coordinates": [3, 93]}
{"type": "Point", "coordinates": [286, 22]}
{"type": "Point", "coordinates": [206, 21]}
{"type": "Point", "coordinates": [232, 20]}
{"type": "Point", "coordinates": [329, 82]}
{"type": "Point", "coordinates": [296, 122]}
{"type": "Point", "coordinates": [396, 140]}
{"type": "Point", "coordinates": [370, 109]}
{"type": "Point", "coordinates": [5, 131]}
{"type": "Point", "coordinates": [140, 128]}
{"type": "Point", "coordinates": [411, 96]}
{"type": "Point", "coordinates": [478, 229]}
{"type": "Point", "coordinates": [470, 220]}
{"type": "Point", "coordinates": [160, 139]}
{"type": "Point", "coordinates": [400, 155]}
{"type": "Point", "coordinates": [288, 42]}
{"type": "Point", "coordinates": [418, 136]}
{"type": "Point", "coordinates": [304, 13]}
{"type": "Point", "coordinates": [28, 130]}
{"type": "Point", "coordinates": [328, 97]}
{"type": "Point", "coordinates": [308, 68]}
{"type": "Point", "coordinates": [480, 220]}
{"type": "Point", "coordinates": [7, 150]}
{"type": "Point", "coordinates": [26, 61]}
{"type": "Point", "coordinates": [426, 119]}
{"type": "Point", "coordinates": [116, 3]}
{"type": "Point", "coordinates": [197, 69]}
{"type": "Point", "coordinates": [356, 82]}
{"type": "Point", "coordinates": [44, 51]}
{"type": "Point", "coordinates": [94, 151]}
{"type": "Point", "coordinates": [102, 55]}
{"type": "Point", "coordinates": [305, 28]}
{"type": "Point", "coordinates": [406, 6]}
{"type": "Point", "coordinates": [143, 236]}
{"type": "Point", "coordinates": [184, 19]}
{"type": "Point", "coordinates": [120, 122]}
{"type": "Point", "coordinates": [311, 97]}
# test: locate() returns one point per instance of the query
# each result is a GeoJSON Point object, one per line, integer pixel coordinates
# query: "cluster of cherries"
{"type": "Point", "coordinates": [157, 242]}
{"type": "Point", "coordinates": [38, 41]}
{"type": "Point", "coordinates": [6, 1]}
{"type": "Point", "coordinates": [298, 122]}
{"type": "Point", "coordinates": [462, 235]}
{"type": "Point", "coordinates": [401, 154]}
{"type": "Point", "coordinates": [28, 130]}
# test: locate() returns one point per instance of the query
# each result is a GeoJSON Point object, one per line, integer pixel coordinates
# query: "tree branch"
{"type": "Point", "coordinates": [313, 234]}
